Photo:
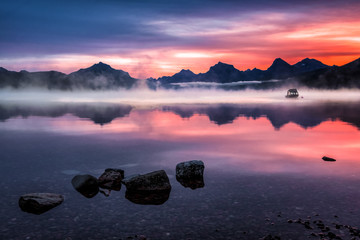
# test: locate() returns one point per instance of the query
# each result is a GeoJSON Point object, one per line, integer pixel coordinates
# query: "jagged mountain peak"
{"type": "Point", "coordinates": [309, 64]}
{"type": "Point", "coordinates": [279, 65]}
{"type": "Point", "coordinates": [100, 67]}
{"type": "Point", "coordinates": [307, 61]}
{"type": "Point", "coordinates": [280, 61]}
{"type": "Point", "coordinates": [186, 71]}
{"type": "Point", "coordinates": [220, 66]}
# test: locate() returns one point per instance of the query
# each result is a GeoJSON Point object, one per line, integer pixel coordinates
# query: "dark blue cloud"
{"type": "Point", "coordinates": [55, 27]}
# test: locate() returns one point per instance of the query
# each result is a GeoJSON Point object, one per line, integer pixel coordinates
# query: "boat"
{"type": "Point", "coordinates": [292, 93]}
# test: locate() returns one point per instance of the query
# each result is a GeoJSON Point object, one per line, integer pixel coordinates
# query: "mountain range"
{"type": "Point", "coordinates": [100, 76]}
{"type": "Point", "coordinates": [308, 72]}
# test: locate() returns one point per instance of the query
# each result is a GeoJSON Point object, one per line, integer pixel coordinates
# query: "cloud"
{"type": "Point", "coordinates": [247, 34]}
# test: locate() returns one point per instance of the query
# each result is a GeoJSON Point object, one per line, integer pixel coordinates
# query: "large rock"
{"type": "Point", "coordinates": [154, 181]}
{"type": "Point", "coordinates": [190, 174]}
{"type": "Point", "coordinates": [111, 179]}
{"type": "Point", "coordinates": [86, 184]}
{"type": "Point", "coordinates": [38, 203]}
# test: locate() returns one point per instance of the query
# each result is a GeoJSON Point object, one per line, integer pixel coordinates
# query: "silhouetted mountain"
{"type": "Point", "coordinates": [98, 76]}
{"type": "Point", "coordinates": [226, 73]}
{"type": "Point", "coordinates": [101, 76]}
{"type": "Point", "coordinates": [182, 76]}
{"type": "Point", "coordinates": [346, 76]}
{"type": "Point", "coordinates": [279, 70]}
{"type": "Point", "coordinates": [308, 65]}
{"type": "Point", "coordinates": [221, 73]}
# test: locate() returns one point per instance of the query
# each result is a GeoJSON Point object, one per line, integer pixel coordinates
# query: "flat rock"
{"type": "Point", "coordinates": [153, 181]}
{"type": "Point", "coordinates": [328, 159]}
{"type": "Point", "coordinates": [86, 184]}
{"type": "Point", "coordinates": [111, 179]}
{"type": "Point", "coordinates": [38, 203]}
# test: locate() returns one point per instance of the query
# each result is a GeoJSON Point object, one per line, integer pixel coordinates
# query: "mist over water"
{"type": "Point", "coordinates": [188, 96]}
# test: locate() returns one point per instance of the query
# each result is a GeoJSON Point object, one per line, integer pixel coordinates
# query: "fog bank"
{"type": "Point", "coordinates": [188, 96]}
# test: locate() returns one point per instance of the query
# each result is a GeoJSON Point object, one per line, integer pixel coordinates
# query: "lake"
{"type": "Point", "coordinates": [263, 169]}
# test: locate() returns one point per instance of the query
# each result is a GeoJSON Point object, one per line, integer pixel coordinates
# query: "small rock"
{"type": "Point", "coordinates": [190, 174]}
{"type": "Point", "coordinates": [38, 203]}
{"type": "Point", "coordinates": [328, 159]}
{"type": "Point", "coordinates": [86, 184]}
{"type": "Point", "coordinates": [111, 179]}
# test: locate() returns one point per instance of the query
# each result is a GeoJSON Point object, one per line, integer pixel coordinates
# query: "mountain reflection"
{"type": "Point", "coordinates": [278, 114]}
{"type": "Point", "coordinates": [304, 115]}
{"type": "Point", "coordinates": [98, 113]}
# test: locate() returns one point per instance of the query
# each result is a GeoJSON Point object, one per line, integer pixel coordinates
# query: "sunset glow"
{"type": "Point", "coordinates": [149, 41]}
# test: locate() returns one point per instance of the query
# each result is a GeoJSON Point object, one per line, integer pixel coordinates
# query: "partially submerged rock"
{"type": "Point", "coordinates": [86, 184]}
{"type": "Point", "coordinates": [328, 159]}
{"type": "Point", "coordinates": [111, 179]}
{"type": "Point", "coordinates": [38, 203]}
{"type": "Point", "coordinates": [190, 174]}
{"type": "Point", "coordinates": [154, 181]}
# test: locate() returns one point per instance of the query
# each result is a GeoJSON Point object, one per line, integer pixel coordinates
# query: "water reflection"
{"type": "Point", "coordinates": [166, 135]}
{"type": "Point", "coordinates": [98, 113]}
{"type": "Point", "coordinates": [279, 115]}
{"type": "Point", "coordinates": [148, 197]}
{"type": "Point", "coordinates": [304, 115]}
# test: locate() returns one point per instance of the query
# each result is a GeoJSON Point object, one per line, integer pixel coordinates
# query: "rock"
{"type": "Point", "coordinates": [86, 184]}
{"type": "Point", "coordinates": [328, 159]}
{"type": "Point", "coordinates": [154, 181]}
{"type": "Point", "coordinates": [111, 179]}
{"type": "Point", "coordinates": [190, 174]}
{"type": "Point", "coordinates": [38, 203]}
{"type": "Point", "coordinates": [190, 169]}
{"type": "Point", "coordinates": [147, 197]}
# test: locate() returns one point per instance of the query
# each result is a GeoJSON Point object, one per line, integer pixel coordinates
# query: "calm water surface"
{"type": "Point", "coordinates": [263, 167]}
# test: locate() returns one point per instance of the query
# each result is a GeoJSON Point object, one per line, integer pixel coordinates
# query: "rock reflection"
{"type": "Point", "coordinates": [193, 183]}
{"type": "Point", "coordinates": [86, 184]}
{"type": "Point", "coordinates": [148, 197]}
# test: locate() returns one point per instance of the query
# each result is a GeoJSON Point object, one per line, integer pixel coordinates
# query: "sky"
{"type": "Point", "coordinates": [153, 38]}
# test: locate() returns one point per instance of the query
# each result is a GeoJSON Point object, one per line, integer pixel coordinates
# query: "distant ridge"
{"type": "Point", "coordinates": [100, 76]}
{"type": "Point", "coordinates": [226, 73]}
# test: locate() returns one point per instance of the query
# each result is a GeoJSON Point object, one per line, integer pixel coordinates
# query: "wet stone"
{"type": "Point", "coordinates": [153, 181]}
{"type": "Point", "coordinates": [111, 179]}
{"type": "Point", "coordinates": [190, 174]}
{"type": "Point", "coordinates": [86, 184]}
{"type": "Point", "coordinates": [38, 203]}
